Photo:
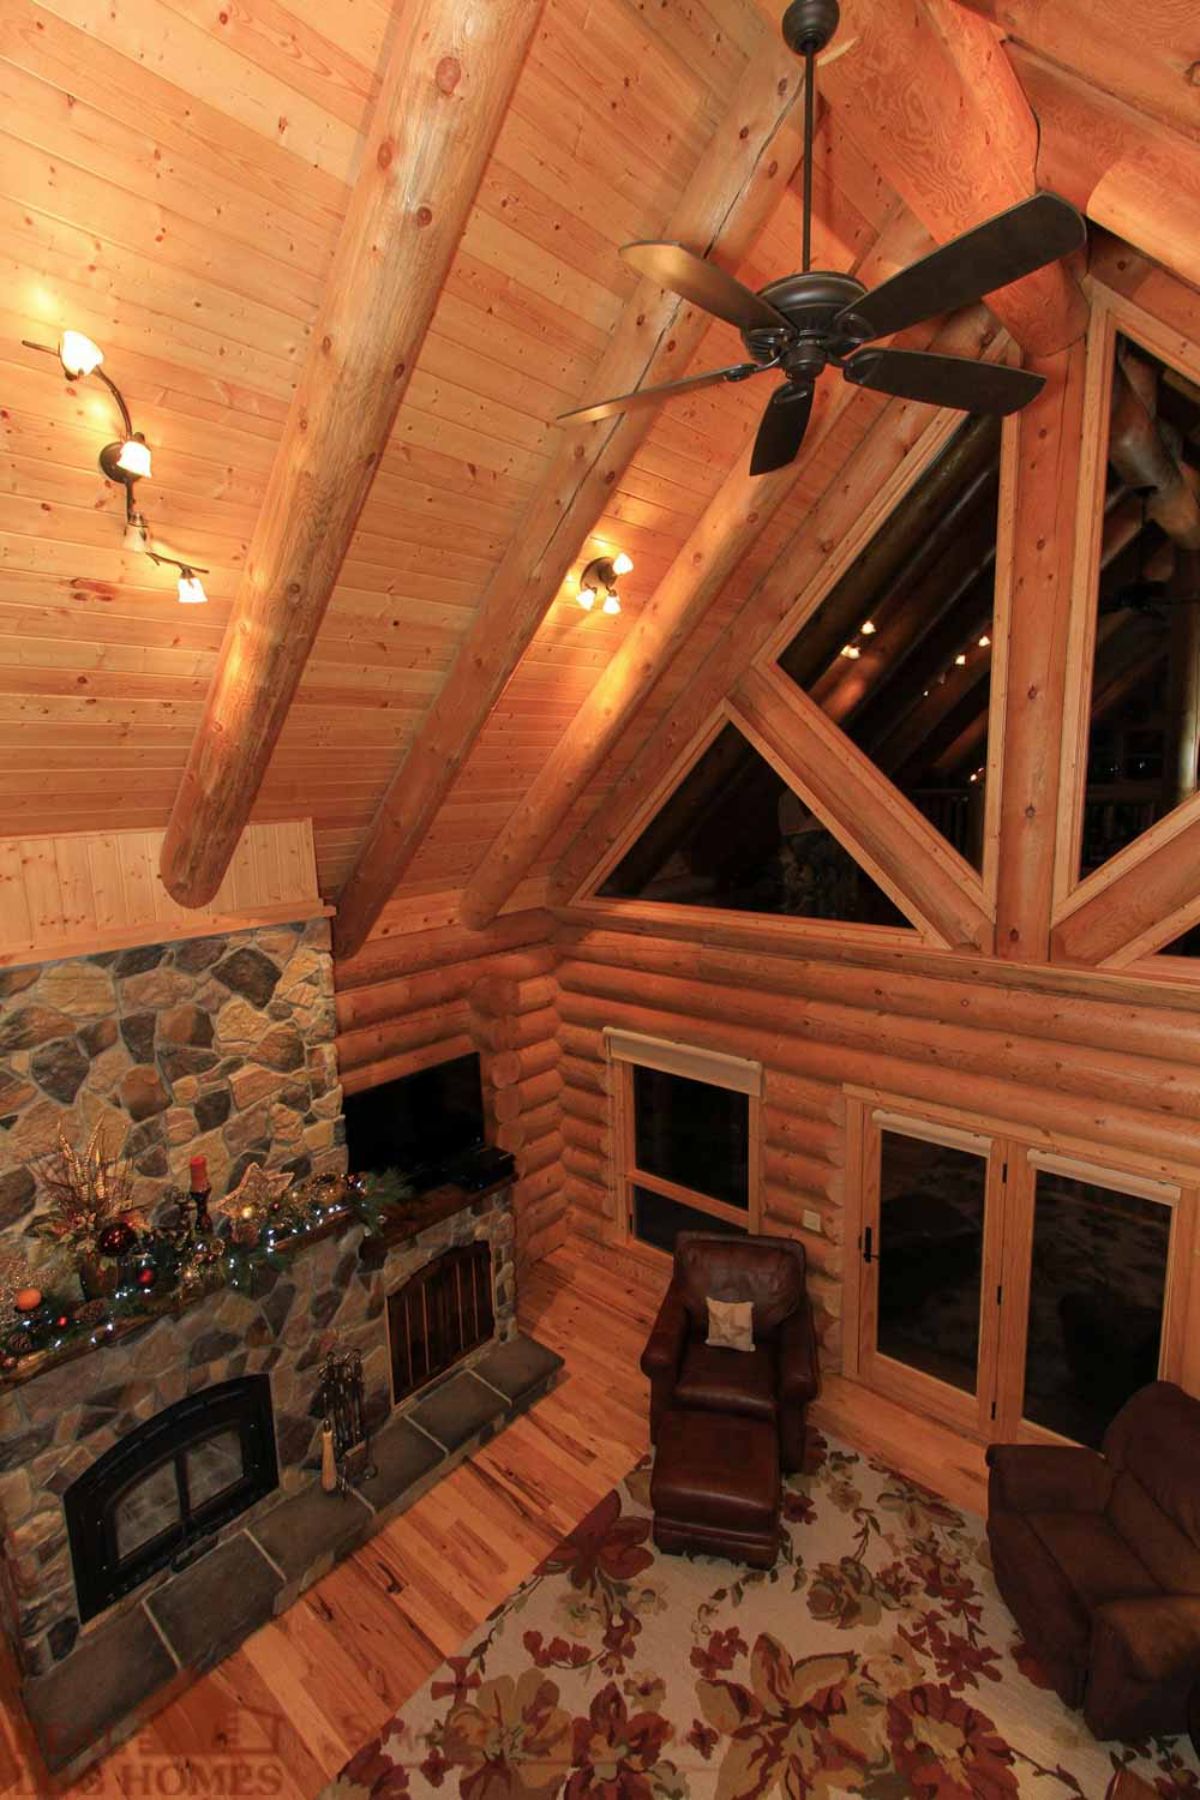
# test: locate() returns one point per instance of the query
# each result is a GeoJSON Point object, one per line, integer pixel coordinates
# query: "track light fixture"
{"type": "Point", "coordinates": [599, 582]}
{"type": "Point", "coordinates": [127, 459]}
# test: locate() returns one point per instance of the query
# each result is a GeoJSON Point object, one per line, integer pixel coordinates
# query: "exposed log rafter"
{"type": "Point", "coordinates": [451, 73]}
{"type": "Point", "coordinates": [746, 167]}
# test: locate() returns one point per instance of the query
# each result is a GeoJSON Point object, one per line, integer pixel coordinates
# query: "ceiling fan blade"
{"type": "Point", "coordinates": [782, 430]}
{"type": "Point", "coordinates": [1015, 243]}
{"type": "Point", "coordinates": [944, 380]}
{"type": "Point", "coordinates": [704, 285]}
{"type": "Point", "coordinates": [650, 396]}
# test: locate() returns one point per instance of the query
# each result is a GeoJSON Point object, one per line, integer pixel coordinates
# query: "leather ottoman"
{"type": "Point", "coordinates": [716, 1485]}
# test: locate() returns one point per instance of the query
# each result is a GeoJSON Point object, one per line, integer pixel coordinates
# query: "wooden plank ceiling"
{"type": "Point", "coordinates": [173, 176]}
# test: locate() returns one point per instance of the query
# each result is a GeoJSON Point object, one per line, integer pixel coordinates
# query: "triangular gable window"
{"type": "Point", "coordinates": [734, 836]}
{"type": "Point", "coordinates": [899, 652]}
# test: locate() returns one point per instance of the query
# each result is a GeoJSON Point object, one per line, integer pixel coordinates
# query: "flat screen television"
{"type": "Point", "coordinates": [419, 1124]}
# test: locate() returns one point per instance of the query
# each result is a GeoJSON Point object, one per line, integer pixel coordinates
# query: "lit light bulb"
{"type": "Point", "coordinates": [134, 459]}
{"type": "Point", "coordinates": [587, 598]}
{"type": "Point", "coordinates": [611, 603]}
{"type": "Point", "coordinates": [960, 659]}
{"type": "Point", "coordinates": [191, 589]}
{"type": "Point", "coordinates": [852, 651]}
{"type": "Point", "coordinates": [974, 775]}
{"type": "Point", "coordinates": [136, 535]}
{"type": "Point", "coordinates": [868, 628]}
{"type": "Point", "coordinates": [622, 564]}
{"type": "Point", "coordinates": [984, 641]}
{"type": "Point", "coordinates": [78, 355]}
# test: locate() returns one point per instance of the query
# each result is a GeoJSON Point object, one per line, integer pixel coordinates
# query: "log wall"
{"type": "Point", "coordinates": [1067, 1058]}
{"type": "Point", "coordinates": [413, 998]}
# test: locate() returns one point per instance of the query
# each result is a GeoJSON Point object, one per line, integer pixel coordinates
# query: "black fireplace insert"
{"type": "Point", "coordinates": [157, 1497]}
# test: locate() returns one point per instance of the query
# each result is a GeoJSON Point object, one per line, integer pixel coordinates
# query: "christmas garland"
{"type": "Point", "coordinates": [147, 1270]}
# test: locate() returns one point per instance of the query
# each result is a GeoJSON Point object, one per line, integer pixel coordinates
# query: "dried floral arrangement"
{"type": "Point", "coordinates": [87, 1191]}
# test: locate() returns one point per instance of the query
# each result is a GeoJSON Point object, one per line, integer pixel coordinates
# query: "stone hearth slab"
{"type": "Point", "coordinates": [206, 1611]}
{"type": "Point", "coordinates": [458, 1410]}
{"type": "Point", "coordinates": [314, 1526]}
{"type": "Point", "coordinates": [518, 1367]}
{"type": "Point", "coordinates": [402, 1456]}
{"type": "Point", "coordinates": [100, 1686]}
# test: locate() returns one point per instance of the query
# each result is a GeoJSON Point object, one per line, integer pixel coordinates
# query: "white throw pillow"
{"type": "Point", "coordinates": [731, 1324]}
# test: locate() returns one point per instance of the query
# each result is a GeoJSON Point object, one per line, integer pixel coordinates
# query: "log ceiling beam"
{"type": "Point", "coordinates": [746, 167]}
{"type": "Point", "coordinates": [450, 75]}
{"type": "Point", "coordinates": [1132, 175]}
{"type": "Point", "coordinates": [927, 93]}
{"type": "Point", "coordinates": [901, 850]}
{"type": "Point", "coordinates": [850, 502]}
{"type": "Point", "coordinates": [1144, 54]}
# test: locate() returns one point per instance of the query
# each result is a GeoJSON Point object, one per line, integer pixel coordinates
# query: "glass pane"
{"type": "Point", "coordinates": [1145, 722]}
{"type": "Point", "coordinates": [1095, 1303]}
{"type": "Point", "coordinates": [899, 654]}
{"type": "Point", "coordinates": [149, 1507]}
{"type": "Point", "coordinates": [930, 1249]}
{"type": "Point", "coordinates": [734, 835]}
{"type": "Point", "coordinates": [656, 1220]}
{"type": "Point", "coordinates": [213, 1465]}
{"type": "Point", "coordinates": [693, 1134]}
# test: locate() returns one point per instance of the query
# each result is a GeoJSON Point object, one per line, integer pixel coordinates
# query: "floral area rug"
{"type": "Point", "coordinates": [875, 1659]}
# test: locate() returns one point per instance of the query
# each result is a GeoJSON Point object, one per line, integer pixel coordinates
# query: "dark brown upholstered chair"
{"type": "Point", "coordinates": [1098, 1558]}
{"type": "Point", "coordinates": [776, 1380]}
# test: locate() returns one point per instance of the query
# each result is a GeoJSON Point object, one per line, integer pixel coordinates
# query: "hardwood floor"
{"type": "Point", "coordinates": [282, 1715]}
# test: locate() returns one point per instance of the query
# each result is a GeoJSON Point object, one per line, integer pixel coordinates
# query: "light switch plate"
{"type": "Point", "coordinates": [812, 1220]}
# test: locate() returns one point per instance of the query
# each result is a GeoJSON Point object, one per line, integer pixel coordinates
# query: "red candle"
{"type": "Point", "coordinates": [199, 1174]}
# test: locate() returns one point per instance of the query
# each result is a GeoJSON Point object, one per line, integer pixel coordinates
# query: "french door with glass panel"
{"type": "Point", "coordinates": [1015, 1294]}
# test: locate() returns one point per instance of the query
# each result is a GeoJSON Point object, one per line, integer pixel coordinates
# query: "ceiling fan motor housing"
{"type": "Point", "coordinates": [808, 25]}
{"type": "Point", "coordinates": [810, 304]}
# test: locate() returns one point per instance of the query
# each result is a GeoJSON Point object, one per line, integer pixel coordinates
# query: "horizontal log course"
{"type": "Point", "coordinates": [396, 1068]}
{"type": "Point", "coordinates": [538, 1152]}
{"type": "Point", "coordinates": [529, 1189]}
{"type": "Point", "coordinates": [577, 1159]}
{"type": "Point", "coordinates": [791, 1172]}
{"type": "Point", "coordinates": [959, 999]}
{"type": "Point", "coordinates": [583, 1041]}
{"type": "Point", "coordinates": [799, 1098]}
{"type": "Point", "coordinates": [588, 1196]}
{"type": "Point", "coordinates": [798, 1132]}
{"type": "Point", "coordinates": [509, 1103]}
{"type": "Point", "coordinates": [1099, 1075]}
{"type": "Point", "coordinates": [591, 1106]}
{"type": "Point", "coordinates": [516, 1032]}
{"type": "Point", "coordinates": [376, 1043]}
{"type": "Point", "coordinates": [359, 1007]}
{"type": "Point", "coordinates": [583, 1074]}
{"type": "Point", "coordinates": [792, 1204]}
{"type": "Point", "coordinates": [823, 1260]}
{"type": "Point", "coordinates": [501, 993]}
{"type": "Point", "coordinates": [1163, 1141]}
{"type": "Point", "coordinates": [587, 1134]}
{"type": "Point", "coordinates": [384, 956]}
{"type": "Point", "coordinates": [527, 1126]}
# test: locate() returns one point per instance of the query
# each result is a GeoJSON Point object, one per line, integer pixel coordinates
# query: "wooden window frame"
{"type": "Point", "coordinates": [705, 1068]}
{"type": "Point", "coordinates": [1016, 1154]}
{"type": "Point", "coordinates": [1111, 313]}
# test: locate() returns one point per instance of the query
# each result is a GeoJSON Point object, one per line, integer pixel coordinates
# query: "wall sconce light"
{"type": "Point", "coordinates": [127, 459]}
{"type": "Point", "coordinates": [599, 579]}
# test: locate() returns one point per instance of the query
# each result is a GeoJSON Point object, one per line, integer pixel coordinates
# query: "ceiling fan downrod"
{"type": "Point", "coordinates": [807, 26]}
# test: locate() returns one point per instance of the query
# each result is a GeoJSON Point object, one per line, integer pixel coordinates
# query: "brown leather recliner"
{"type": "Point", "coordinates": [1098, 1558]}
{"type": "Point", "coordinates": [773, 1382]}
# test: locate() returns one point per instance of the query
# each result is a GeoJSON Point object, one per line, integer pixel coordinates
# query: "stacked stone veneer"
{"type": "Point", "coordinates": [218, 1045]}
{"type": "Point", "coordinates": [54, 1426]}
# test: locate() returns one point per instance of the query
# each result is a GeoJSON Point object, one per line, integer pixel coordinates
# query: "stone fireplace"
{"type": "Point", "coordinates": [159, 1488]}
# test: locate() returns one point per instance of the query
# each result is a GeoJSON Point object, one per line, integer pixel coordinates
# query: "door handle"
{"type": "Point", "coordinates": [866, 1245]}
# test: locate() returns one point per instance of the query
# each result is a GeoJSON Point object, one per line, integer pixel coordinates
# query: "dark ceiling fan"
{"type": "Point", "coordinates": [801, 323]}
